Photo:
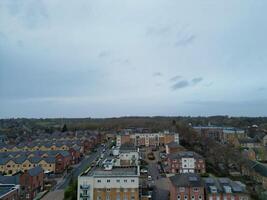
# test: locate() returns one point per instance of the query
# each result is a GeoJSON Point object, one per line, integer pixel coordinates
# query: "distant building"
{"type": "Point", "coordinates": [256, 171]}
{"type": "Point", "coordinates": [185, 162]}
{"type": "Point", "coordinates": [146, 139]}
{"type": "Point", "coordinates": [250, 142]}
{"type": "Point", "coordinates": [186, 187]}
{"type": "Point", "coordinates": [225, 189]}
{"type": "Point", "coordinates": [249, 154]}
{"type": "Point", "coordinates": [221, 134]}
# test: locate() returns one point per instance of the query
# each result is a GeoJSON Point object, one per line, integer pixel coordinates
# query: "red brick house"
{"type": "Point", "coordinates": [88, 145]}
{"type": "Point", "coordinates": [225, 189]}
{"type": "Point", "coordinates": [75, 155]}
{"type": "Point", "coordinates": [186, 187]}
{"type": "Point", "coordinates": [185, 162]}
{"type": "Point", "coordinates": [31, 183]}
{"type": "Point", "coordinates": [62, 160]}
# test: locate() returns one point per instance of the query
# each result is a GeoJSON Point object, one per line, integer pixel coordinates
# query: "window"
{"type": "Point", "coordinates": [125, 181]}
{"type": "Point", "coordinates": [185, 197]}
{"type": "Point", "coordinates": [132, 180]}
{"type": "Point", "coordinates": [108, 189]}
{"type": "Point", "coordinates": [108, 181]}
{"type": "Point", "coordinates": [192, 197]}
{"type": "Point", "coordinates": [118, 180]}
{"type": "Point", "coordinates": [195, 189]}
{"type": "Point", "coordinates": [182, 189]}
{"type": "Point", "coordinates": [99, 181]}
{"type": "Point", "coordinates": [118, 197]}
{"type": "Point", "coordinates": [199, 197]}
{"type": "Point", "coordinates": [132, 196]}
{"type": "Point", "coordinates": [178, 197]}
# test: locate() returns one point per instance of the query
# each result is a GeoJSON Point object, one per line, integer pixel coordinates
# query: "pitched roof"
{"type": "Point", "coordinates": [35, 171]}
{"type": "Point", "coordinates": [173, 144]}
{"type": "Point", "coordinates": [258, 167]}
{"type": "Point", "coordinates": [184, 154]}
{"type": "Point", "coordinates": [10, 179]}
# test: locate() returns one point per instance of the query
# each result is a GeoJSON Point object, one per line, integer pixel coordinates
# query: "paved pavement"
{"type": "Point", "coordinates": [54, 195]}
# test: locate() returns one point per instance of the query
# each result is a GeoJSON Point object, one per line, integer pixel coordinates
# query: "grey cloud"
{"type": "Point", "coordinates": [180, 85]}
{"type": "Point", "coordinates": [262, 88]}
{"type": "Point", "coordinates": [185, 83]}
{"type": "Point", "coordinates": [124, 61]}
{"type": "Point", "coordinates": [197, 80]}
{"type": "Point", "coordinates": [161, 30]}
{"type": "Point", "coordinates": [185, 40]}
{"type": "Point", "coordinates": [20, 43]}
{"type": "Point", "coordinates": [31, 13]}
{"type": "Point", "coordinates": [157, 74]}
{"type": "Point", "coordinates": [175, 78]}
{"type": "Point", "coordinates": [103, 54]}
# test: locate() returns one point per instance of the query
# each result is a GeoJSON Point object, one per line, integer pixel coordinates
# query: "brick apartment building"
{"type": "Point", "coordinates": [185, 162]}
{"type": "Point", "coordinates": [224, 189]}
{"type": "Point", "coordinates": [147, 138]}
{"type": "Point", "coordinates": [115, 183]}
{"type": "Point", "coordinates": [186, 187]}
{"type": "Point", "coordinates": [31, 183]}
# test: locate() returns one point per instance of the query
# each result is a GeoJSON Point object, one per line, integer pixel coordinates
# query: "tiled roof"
{"type": "Point", "coordinates": [35, 171]}
{"type": "Point", "coordinates": [184, 154]}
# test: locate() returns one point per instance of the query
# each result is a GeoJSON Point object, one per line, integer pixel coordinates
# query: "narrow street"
{"type": "Point", "coordinates": [57, 193]}
{"type": "Point", "coordinates": [161, 189]}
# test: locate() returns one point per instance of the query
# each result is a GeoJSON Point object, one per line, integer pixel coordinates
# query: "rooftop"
{"type": "Point", "coordinates": [6, 188]}
{"type": "Point", "coordinates": [186, 180]}
{"type": "Point", "coordinates": [115, 171]}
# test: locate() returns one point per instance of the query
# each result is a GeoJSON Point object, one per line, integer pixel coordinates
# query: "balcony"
{"type": "Point", "coordinates": [84, 187]}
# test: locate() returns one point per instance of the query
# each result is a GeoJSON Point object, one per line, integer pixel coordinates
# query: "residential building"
{"type": "Point", "coordinates": [185, 162]}
{"type": "Point", "coordinates": [50, 161]}
{"type": "Point", "coordinates": [221, 134]}
{"type": "Point", "coordinates": [31, 183]}
{"type": "Point", "coordinates": [225, 189]}
{"type": "Point", "coordinates": [256, 171]}
{"type": "Point", "coordinates": [9, 192]}
{"type": "Point", "coordinates": [146, 138]}
{"type": "Point", "coordinates": [186, 187]}
{"type": "Point", "coordinates": [173, 147]}
{"type": "Point", "coordinates": [250, 142]}
{"type": "Point", "coordinates": [109, 182]}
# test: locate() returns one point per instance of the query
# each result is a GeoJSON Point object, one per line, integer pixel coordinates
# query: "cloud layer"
{"type": "Point", "coordinates": [110, 58]}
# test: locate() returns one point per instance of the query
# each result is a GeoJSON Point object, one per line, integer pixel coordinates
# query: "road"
{"type": "Point", "coordinates": [161, 189]}
{"type": "Point", "coordinates": [63, 184]}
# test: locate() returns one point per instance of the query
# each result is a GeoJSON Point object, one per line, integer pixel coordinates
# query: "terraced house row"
{"type": "Point", "coordinates": [86, 145]}
{"type": "Point", "coordinates": [49, 161]}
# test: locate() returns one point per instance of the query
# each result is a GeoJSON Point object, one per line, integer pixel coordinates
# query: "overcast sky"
{"type": "Point", "coordinates": [104, 58]}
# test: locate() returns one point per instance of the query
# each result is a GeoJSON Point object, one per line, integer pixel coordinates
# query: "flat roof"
{"type": "Point", "coordinates": [115, 171]}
